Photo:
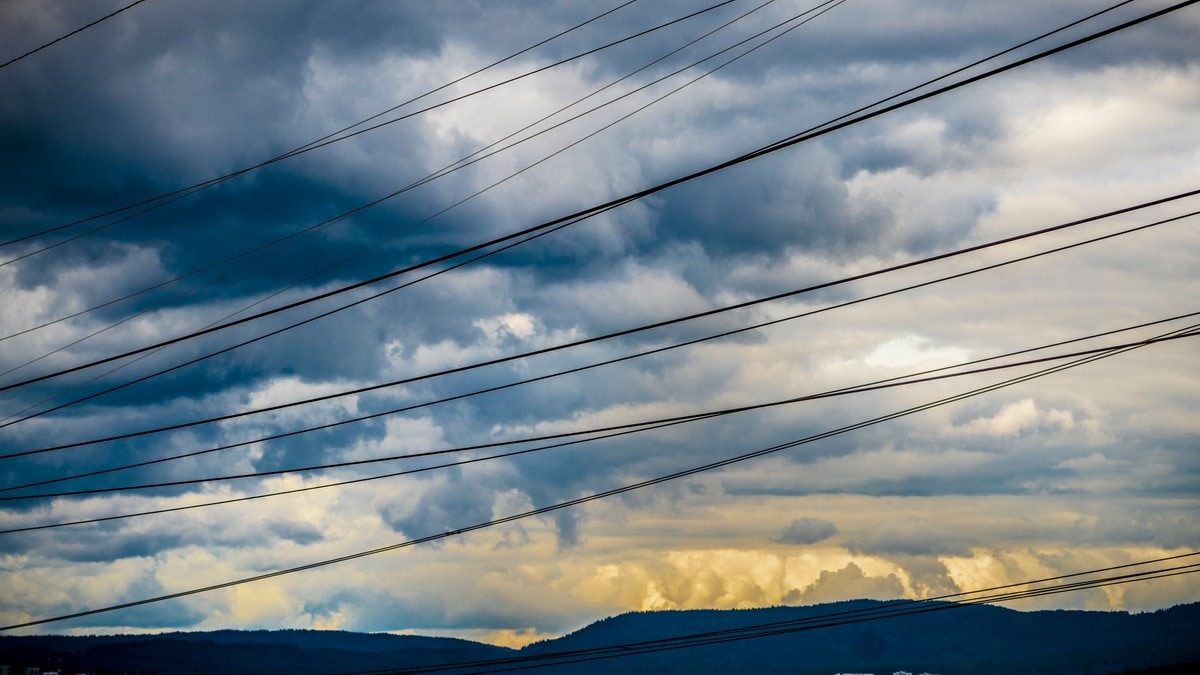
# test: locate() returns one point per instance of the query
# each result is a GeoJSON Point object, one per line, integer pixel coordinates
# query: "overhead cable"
{"type": "Point", "coordinates": [345, 133]}
{"type": "Point", "coordinates": [72, 33]}
{"type": "Point", "coordinates": [596, 496]}
{"type": "Point", "coordinates": [648, 327]}
{"type": "Point", "coordinates": [454, 166]}
{"type": "Point", "coordinates": [888, 609]}
{"type": "Point", "coordinates": [637, 426]}
{"type": "Point", "coordinates": [599, 434]}
{"type": "Point", "coordinates": [589, 212]}
{"type": "Point", "coordinates": [458, 397]}
{"type": "Point", "coordinates": [463, 162]}
{"type": "Point", "coordinates": [814, 12]}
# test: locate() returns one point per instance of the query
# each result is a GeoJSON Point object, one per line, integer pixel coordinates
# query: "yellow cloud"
{"type": "Point", "coordinates": [261, 603]}
{"type": "Point", "coordinates": [717, 578]}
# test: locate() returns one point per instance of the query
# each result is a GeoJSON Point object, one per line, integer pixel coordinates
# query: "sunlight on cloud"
{"type": "Point", "coordinates": [1017, 418]}
{"type": "Point", "coordinates": [521, 326]}
{"type": "Point", "coordinates": [914, 352]}
{"type": "Point", "coordinates": [261, 605]}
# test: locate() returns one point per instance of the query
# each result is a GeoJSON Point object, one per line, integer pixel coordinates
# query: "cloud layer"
{"type": "Point", "coordinates": [1082, 469]}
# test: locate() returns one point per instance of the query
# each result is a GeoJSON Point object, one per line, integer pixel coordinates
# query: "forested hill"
{"type": "Point", "coordinates": [850, 637]}
{"type": "Point", "coordinates": [830, 638]}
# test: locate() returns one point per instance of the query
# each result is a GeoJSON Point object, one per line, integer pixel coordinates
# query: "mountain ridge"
{"type": "Point", "coordinates": [969, 639]}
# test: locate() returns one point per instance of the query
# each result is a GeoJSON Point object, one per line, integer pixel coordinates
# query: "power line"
{"type": "Point", "coordinates": [191, 189]}
{"type": "Point", "coordinates": [596, 496]}
{"type": "Point", "coordinates": [823, 8]}
{"type": "Point", "coordinates": [644, 328]}
{"type": "Point", "coordinates": [74, 32]}
{"type": "Point", "coordinates": [835, 620]}
{"type": "Point", "coordinates": [273, 332]}
{"type": "Point", "coordinates": [1149, 573]}
{"type": "Point", "coordinates": [815, 12]}
{"type": "Point", "coordinates": [605, 433]}
{"type": "Point", "coordinates": [829, 4]}
{"type": "Point", "coordinates": [461, 163]}
{"type": "Point", "coordinates": [636, 426]}
{"type": "Point", "coordinates": [587, 213]}
{"type": "Point", "coordinates": [510, 385]}
{"type": "Point", "coordinates": [890, 609]}
{"type": "Point", "coordinates": [336, 136]}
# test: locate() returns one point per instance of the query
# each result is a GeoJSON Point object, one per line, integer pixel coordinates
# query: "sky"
{"type": "Point", "coordinates": [1077, 470]}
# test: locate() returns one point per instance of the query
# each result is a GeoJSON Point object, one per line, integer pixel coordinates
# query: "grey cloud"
{"type": "Point", "coordinates": [1168, 530]}
{"type": "Point", "coordinates": [910, 537]}
{"type": "Point", "coordinates": [793, 201]}
{"type": "Point", "coordinates": [567, 522]}
{"type": "Point", "coordinates": [928, 576]}
{"type": "Point", "coordinates": [155, 616]}
{"type": "Point", "coordinates": [426, 507]}
{"type": "Point", "coordinates": [807, 531]}
{"type": "Point", "coordinates": [298, 532]}
{"type": "Point", "coordinates": [97, 546]}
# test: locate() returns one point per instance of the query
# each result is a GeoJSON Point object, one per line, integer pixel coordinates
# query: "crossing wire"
{"type": "Point", "coordinates": [577, 501]}
{"type": "Point", "coordinates": [337, 136]}
{"type": "Point", "coordinates": [823, 8]}
{"type": "Point", "coordinates": [510, 385]}
{"type": "Point", "coordinates": [457, 165]}
{"type": "Point", "coordinates": [630, 426]}
{"type": "Point", "coordinates": [815, 12]}
{"type": "Point", "coordinates": [643, 328]}
{"type": "Point", "coordinates": [592, 211]}
{"type": "Point", "coordinates": [460, 163]}
{"type": "Point", "coordinates": [883, 610]}
{"type": "Point", "coordinates": [611, 432]}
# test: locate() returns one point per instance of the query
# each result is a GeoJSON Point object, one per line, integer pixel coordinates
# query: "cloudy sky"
{"type": "Point", "coordinates": [1077, 470]}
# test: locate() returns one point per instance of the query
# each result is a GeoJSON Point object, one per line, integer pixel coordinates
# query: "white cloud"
{"type": "Point", "coordinates": [914, 352]}
{"type": "Point", "coordinates": [1015, 419]}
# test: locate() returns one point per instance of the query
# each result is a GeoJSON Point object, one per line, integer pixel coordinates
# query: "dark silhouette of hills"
{"type": "Point", "coordinates": [970, 639]}
{"type": "Point", "coordinates": [962, 639]}
{"type": "Point", "coordinates": [234, 651]}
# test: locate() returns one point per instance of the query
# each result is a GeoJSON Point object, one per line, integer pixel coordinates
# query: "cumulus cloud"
{"type": "Point", "coordinates": [1018, 418]}
{"type": "Point", "coordinates": [847, 583]}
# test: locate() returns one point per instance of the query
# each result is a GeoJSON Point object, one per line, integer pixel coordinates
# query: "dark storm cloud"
{"type": "Point", "coordinates": [784, 202]}
{"type": "Point", "coordinates": [171, 95]}
{"type": "Point", "coordinates": [96, 546]}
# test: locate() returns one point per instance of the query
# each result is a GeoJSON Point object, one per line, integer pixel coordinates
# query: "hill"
{"type": "Point", "coordinates": [974, 639]}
